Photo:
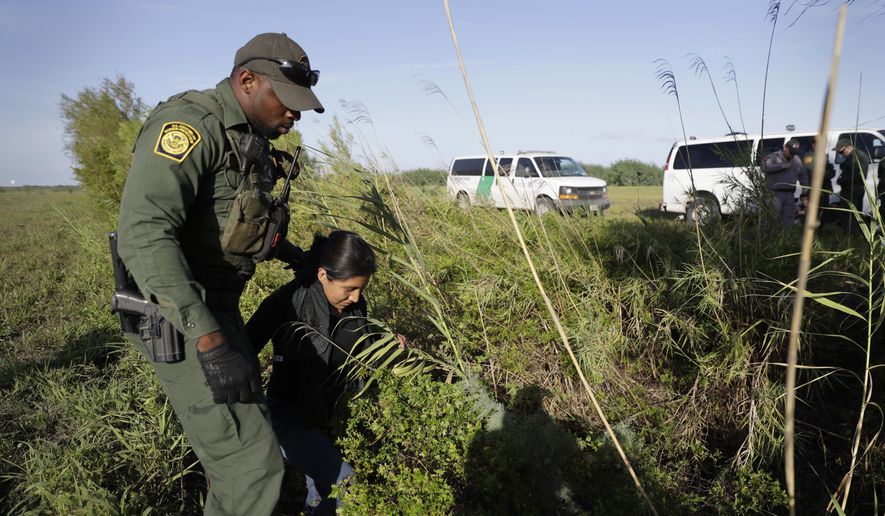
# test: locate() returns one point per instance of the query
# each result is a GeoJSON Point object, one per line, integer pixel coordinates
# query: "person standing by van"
{"type": "Point", "coordinates": [853, 177]}
{"type": "Point", "coordinates": [829, 174]}
{"type": "Point", "coordinates": [782, 170]}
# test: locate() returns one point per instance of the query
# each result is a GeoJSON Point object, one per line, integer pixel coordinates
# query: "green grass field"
{"type": "Point", "coordinates": [629, 200]}
{"type": "Point", "coordinates": [50, 275]}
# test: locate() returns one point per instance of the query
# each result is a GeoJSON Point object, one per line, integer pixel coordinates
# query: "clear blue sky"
{"type": "Point", "coordinates": [573, 76]}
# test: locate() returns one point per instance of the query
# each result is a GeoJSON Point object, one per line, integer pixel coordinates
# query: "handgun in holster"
{"type": "Point", "coordinates": [141, 317]}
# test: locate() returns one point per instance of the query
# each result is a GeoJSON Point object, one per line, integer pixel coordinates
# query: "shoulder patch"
{"type": "Point", "coordinates": [176, 141]}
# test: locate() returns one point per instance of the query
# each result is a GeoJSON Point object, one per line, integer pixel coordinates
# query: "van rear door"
{"type": "Point", "coordinates": [484, 189]}
{"type": "Point", "coordinates": [505, 184]}
{"type": "Point", "coordinates": [465, 177]}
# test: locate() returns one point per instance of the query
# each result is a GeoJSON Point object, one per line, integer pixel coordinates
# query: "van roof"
{"type": "Point", "coordinates": [513, 154]}
{"type": "Point", "coordinates": [743, 137]}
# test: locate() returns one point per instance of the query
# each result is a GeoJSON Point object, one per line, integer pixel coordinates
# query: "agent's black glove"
{"type": "Point", "coordinates": [230, 375]}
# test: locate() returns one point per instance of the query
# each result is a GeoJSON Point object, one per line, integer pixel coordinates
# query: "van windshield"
{"type": "Point", "coordinates": [559, 166]}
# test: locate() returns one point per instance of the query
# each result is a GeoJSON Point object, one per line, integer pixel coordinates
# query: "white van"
{"type": "Point", "coordinates": [720, 167]}
{"type": "Point", "coordinates": [537, 181]}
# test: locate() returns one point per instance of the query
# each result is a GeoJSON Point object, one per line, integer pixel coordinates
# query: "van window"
{"type": "Point", "coordinates": [468, 167]}
{"type": "Point", "coordinates": [713, 155]}
{"type": "Point", "coordinates": [767, 146]}
{"type": "Point", "coordinates": [525, 168]}
{"type": "Point", "coordinates": [504, 166]}
{"type": "Point", "coordinates": [559, 166]}
{"type": "Point", "coordinates": [805, 143]}
{"type": "Point", "coordinates": [867, 142]}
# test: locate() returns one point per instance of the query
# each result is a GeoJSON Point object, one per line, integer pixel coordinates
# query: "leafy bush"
{"type": "Point", "coordinates": [423, 177]}
{"type": "Point", "coordinates": [100, 128]}
{"type": "Point", "coordinates": [627, 172]}
{"type": "Point", "coordinates": [747, 492]}
{"type": "Point", "coordinates": [408, 446]}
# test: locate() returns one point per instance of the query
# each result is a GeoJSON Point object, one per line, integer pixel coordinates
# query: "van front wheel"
{"type": "Point", "coordinates": [703, 210]}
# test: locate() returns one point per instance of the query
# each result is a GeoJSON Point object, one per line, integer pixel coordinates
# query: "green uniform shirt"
{"type": "Point", "coordinates": [854, 169]}
{"type": "Point", "coordinates": [174, 208]}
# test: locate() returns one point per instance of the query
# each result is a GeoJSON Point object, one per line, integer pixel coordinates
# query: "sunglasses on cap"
{"type": "Point", "coordinates": [294, 71]}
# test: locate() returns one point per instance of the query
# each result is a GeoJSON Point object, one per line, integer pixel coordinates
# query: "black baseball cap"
{"type": "Point", "coordinates": [285, 65]}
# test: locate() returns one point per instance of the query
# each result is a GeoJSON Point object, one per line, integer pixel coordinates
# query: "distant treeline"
{"type": "Point", "coordinates": [625, 172]}
{"type": "Point", "coordinates": [424, 176]}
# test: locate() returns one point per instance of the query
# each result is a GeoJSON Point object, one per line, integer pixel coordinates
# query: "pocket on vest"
{"type": "Point", "coordinates": [247, 223]}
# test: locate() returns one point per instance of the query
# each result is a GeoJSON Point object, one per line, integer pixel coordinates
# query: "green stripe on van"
{"type": "Point", "coordinates": [484, 188]}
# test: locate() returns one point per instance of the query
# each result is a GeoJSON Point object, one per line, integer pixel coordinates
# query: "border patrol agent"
{"type": "Point", "coordinates": [854, 173]}
{"type": "Point", "coordinates": [782, 169]}
{"type": "Point", "coordinates": [185, 215]}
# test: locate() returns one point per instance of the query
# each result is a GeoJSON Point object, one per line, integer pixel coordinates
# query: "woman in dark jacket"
{"type": "Point", "coordinates": [315, 323]}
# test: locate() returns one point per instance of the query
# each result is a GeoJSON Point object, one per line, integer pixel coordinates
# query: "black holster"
{"type": "Point", "coordinates": [139, 316]}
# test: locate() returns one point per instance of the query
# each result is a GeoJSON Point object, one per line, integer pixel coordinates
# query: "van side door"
{"type": "Point", "coordinates": [486, 181]}
{"type": "Point", "coordinates": [525, 179]}
{"type": "Point", "coordinates": [504, 184]}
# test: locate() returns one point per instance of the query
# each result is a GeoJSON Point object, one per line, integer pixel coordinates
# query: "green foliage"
{"type": "Point", "coordinates": [408, 447]}
{"type": "Point", "coordinates": [747, 492]}
{"type": "Point", "coordinates": [85, 428]}
{"type": "Point", "coordinates": [627, 172]}
{"type": "Point", "coordinates": [408, 491]}
{"type": "Point", "coordinates": [338, 149]}
{"type": "Point", "coordinates": [109, 444]}
{"type": "Point", "coordinates": [423, 177]}
{"type": "Point", "coordinates": [100, 127]}
{"type": "Point", "coordinates": [527, 464]}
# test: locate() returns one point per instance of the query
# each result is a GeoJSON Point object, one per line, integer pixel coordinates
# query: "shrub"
{"type": "Point", "coordinates": [423, 177]}
{"type": "Point", "coordinates": [627, 172]}
{"type": "Point", "coordinates": [747, 492]}
{"type": "Point", "coordinates": [100, 127]}
{"type": "Point", "coordinates": [407, 445]}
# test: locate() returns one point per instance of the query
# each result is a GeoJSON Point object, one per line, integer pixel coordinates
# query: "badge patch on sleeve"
{"type": "Point", "coordinates": [176, 141]}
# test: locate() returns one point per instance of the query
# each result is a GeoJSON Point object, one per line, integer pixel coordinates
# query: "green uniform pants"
{"type": "Point", "coordinates": [235, 443]}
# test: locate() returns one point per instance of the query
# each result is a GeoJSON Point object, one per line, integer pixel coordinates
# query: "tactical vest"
{"type": "Point", "coordinates": [230, 217]}
{"type": "Point", "coordinates": [249, 215]}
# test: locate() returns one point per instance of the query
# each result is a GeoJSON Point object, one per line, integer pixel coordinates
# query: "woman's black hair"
{"type": "Point", "coordinates": [343, 254]}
